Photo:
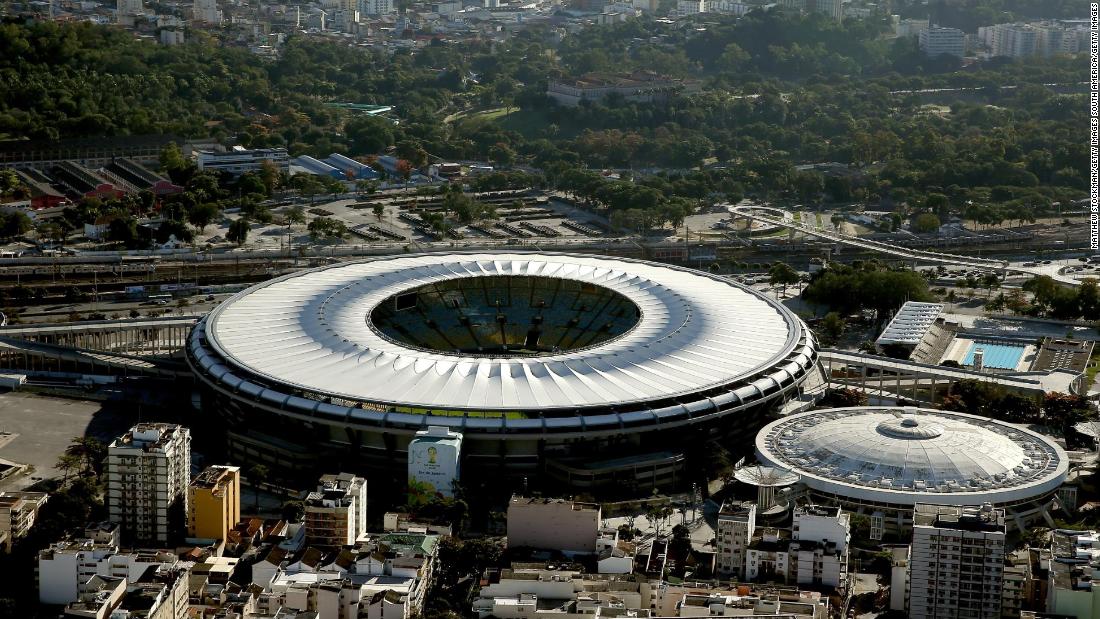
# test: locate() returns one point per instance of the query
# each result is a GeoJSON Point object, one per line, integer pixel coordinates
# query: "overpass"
{"type": "Point", "coordinates": [916, 255]}
{"type": "Point", "coordinates": [925, 382]}
{"type": "Point", "coordinates": [143, 347]}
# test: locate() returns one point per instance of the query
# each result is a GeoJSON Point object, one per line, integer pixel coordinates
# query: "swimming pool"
{"type": "Point", "coordinates": [1000, 356]}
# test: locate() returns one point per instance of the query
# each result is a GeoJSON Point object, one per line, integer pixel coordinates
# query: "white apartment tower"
{"type": "Point", "coordinates": [376, 7]}
{"type": "Point", "coordinates": [956, 564]}
{"type": "Point", "coordinates": [129, 7]}
{"type": "Point", "coordinates": [834, 9]}
{"type": "Point", "coordinates": [148, 471]}
{"type": "Point", "coordinates": [736, 525]}
{"type": "Point", "coordinates": [336, 513]}
{"type": "Point", "coordinates": [818, 554]}
{"type": "Point", "coordinates": [207, 12]}
{"type": "Point", "coordinates": [936, 41]}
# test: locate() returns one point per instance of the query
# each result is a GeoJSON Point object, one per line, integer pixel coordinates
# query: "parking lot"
{"type": "Point", "coordinates": [406, 223]}
{"type": "Point", "coordinates": [40, 428]}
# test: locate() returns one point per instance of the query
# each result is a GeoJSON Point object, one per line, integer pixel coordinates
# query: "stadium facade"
{"type": "Point", "coordinates": [587, 370]}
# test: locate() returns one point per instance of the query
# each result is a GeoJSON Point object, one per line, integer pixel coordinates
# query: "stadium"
{"type": "Point", "coordinates": [881, 461]}
{"type": "Point", "coordinates": [589, 371]}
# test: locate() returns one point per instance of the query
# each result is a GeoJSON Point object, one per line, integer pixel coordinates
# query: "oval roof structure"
{"type": "Point", "coordinates": [312, 331]}
{"type": "Point", "coordinates": [908, 455]}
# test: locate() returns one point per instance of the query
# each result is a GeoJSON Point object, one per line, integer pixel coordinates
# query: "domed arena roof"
{"type": "Point", "coordinates": [506, 332]}
{"type": "Point", "coordinates": [910, 455]}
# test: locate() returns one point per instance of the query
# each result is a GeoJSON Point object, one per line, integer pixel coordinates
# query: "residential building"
{"type": "Point", "coordinates": [691, 7]}
{"type": "Point", "coordinates": [17, 513]}
{"type": "Point", "coordinates": [956, 565]}
{"type": "Point", "coordinates": [207, 12]}
{"type": "Point", "coordinates": [383, 577]}
{"type": "Point", "coordinates": [910, 27]}
{"type": "Point", "coordinates": [158, 593]}
{"type": "Point", "coordinates": [833, 9]}
{"type": "Point", "coordinates": [336, 513]}
{"type": "Point", "coordinates": [814, 552]}
{"type": "Point", "coordinates": [128, 7]}
{"type": "Point", "coordinates": [377, 7]}
{"type": "Point", "coordinates": [819, 546]}
{"type": "Point", "coordinates": [66, 568]}
{"type": "Point", "coordinates": [172, 36]}
{"type": "Point", "coordinates": [214, 502]}
{"type": "Point", "coordinates": [148, 470]}
{"type": "Point", "coordinates": [537, 592]}
{"type": "Point", "coordinates": [936, 41]}
{"type": "Point", "coordinates": [1047, 38]}
{"type": "Point", "coordinates": [239, 160]}
{"type": "Point", "coordinates": [1075, 559]}
{"type": "Point", "coordinates": [736, 527]}
{"type": "Point", "coordinates": [613, 555]}
{"type": "Point", "coordinates": [528, 592]}
{"type": "Point", "coordinates": [553, 524]}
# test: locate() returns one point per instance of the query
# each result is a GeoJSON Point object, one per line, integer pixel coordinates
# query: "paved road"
{"type": "Point", "coordinates": [917, 255]}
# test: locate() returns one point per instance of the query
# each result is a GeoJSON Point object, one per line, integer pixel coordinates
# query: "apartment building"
{"type": "Point", "coordinates": [834, 9]}
{"type": "Point", "coordinates": [1022, 40]}
{"type": "Point", "coordinates": [17, 513]}
{"type": "Point", "coordinates": [336, 513]}
{"type": "Point", "coordinates": [936, 41]}
{"type": "Point", "coordinates": [814, 552]}
{"type": "Point", "coordinates": [384, 577]}
{"type": "Point", "coordinates": [956, 566]}
{"type": "Point", "coordinates": [736, 526]}
{"type": "Point", "coordinates": [148, 470]}
{"type": "Point", "coordinates": [158, 593]}
{"type": "Point", "coordinates": [1074, 562]}
{"type": "Point", "coordinates": [553, 524]}
{"type": "Point", "coordinates": [214, 502]}
{"type": "Point", "coordinates": [66, 568]}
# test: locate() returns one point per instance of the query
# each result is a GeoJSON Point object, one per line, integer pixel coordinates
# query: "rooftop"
{"type": "Point", "coordinates": [307, 330]}
{"type": "Point", "coordinates": [902, 455]}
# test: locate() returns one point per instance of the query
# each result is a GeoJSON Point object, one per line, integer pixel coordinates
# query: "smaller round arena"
{"type": "Point", "coordinates": [881, 461]}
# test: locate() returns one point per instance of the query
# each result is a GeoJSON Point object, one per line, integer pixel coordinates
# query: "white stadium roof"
{"type": "Point", "coordinates": [312, 331]}
{"type": "Point", "coordinates": [907, 456]}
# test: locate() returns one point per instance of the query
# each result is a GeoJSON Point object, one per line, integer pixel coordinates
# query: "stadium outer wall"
{"type": "Point", "coordinates": [659, 443]}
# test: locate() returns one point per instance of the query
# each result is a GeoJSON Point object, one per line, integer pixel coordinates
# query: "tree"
{"type": "Point", "coordinates": [844, 397]}
{"type": "Point", "coordinates": [782, 274]}
{"type": "Point", "coordinates": [831, 328]}
{"type": "Point", "coordinates": [68, 465]}
{"type": "Point", "coordinates": [379, 210]}
{"type": "Point", "coordinates": [238, 231]}
{"type": "Point", "coordinates": [293, 511]}
{"type": "Point", "coordinates": [202, 214]}
{"type": "Point", "coordinates": [404, 170]}
{"type": "Point", "coordinates": [990, 282]}
{"type": "Point", "coordinates": [1064, 410]}
{"type": "Point", "coordinates": [295, 216]}
{"type": "Point", "coordinates": [90, 452]}
{"type": "Point", "coordinates": [926, 222]}
{"type": "Point", "coordinates": [327, 228]}
{"type": "Point", "coordinates": [257, 475]}
{"type": "Point", "coordinates": [14, 223]}
{"type": "Point", "coordinates": [657, 516]}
